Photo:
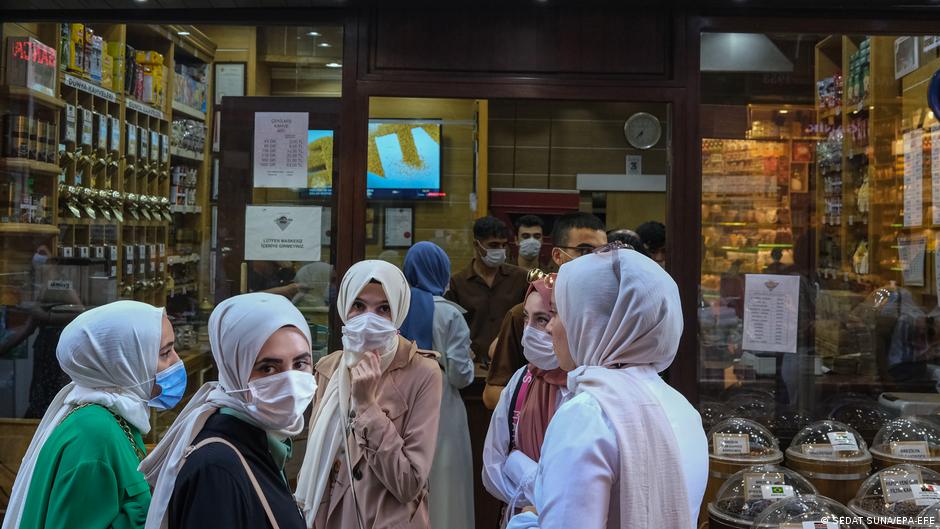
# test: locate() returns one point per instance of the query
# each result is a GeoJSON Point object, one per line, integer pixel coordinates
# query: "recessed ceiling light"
{"type": "Point", "coordinates": [313, 34]}
{"type": "Point", "coordinates": [325, 45]}
{"type": "Point", "coordinates": [182, 33]}
{"type": "Point", "coordinates": [140, 1]}
{"type": "Point", "coordinates": [334, 65]}
{"type": "Point", "coordinates": [783, 111]}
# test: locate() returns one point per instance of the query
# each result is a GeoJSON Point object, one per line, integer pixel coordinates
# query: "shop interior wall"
{"type": "Point", "coordinates": [545, 144]}
{"type": "Point", "coordinates": [447, 222]}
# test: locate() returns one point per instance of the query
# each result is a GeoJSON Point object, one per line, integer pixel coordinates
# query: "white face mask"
{"type": "Point", "coordinates": [537, 348]}
{"type": "Point", "coordinates": [494, 257]}
{"type": "Point", "coordinates": [368, 332]}
{"type": "Point", "coordinates": [530, 247]}
{"type": "Point", "coordinates": [278, 402]}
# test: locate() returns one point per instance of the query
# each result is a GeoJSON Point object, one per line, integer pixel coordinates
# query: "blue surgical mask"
{"type": "Point", "coordinates": [172, 382]}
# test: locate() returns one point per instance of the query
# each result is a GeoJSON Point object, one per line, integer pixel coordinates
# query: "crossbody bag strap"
{"type": "Point", "coordinates": [516, 404]}
{"type": "Point", "coordinates": [251, 475]}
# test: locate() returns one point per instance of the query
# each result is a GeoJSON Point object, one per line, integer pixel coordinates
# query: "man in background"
{"type": "Point", "coordinates": [653, 235]}
{"type": "Point", "coordinates": [628, 237]}
{"type": "Point", "coordinates": [488, 287]}
{"type": "Point", "coordinates": [574, 235]}
{"type": "Point", "coordinates": [529, 229]}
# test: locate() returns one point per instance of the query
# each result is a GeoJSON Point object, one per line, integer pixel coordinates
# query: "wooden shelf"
{"type": "Point", "coordinates": [28, 94]}
{"type": "Point", "coordinates": [25, 165]}
{"type": "Point", "coordinates": [186, 154]}
{"type": "Point", "coordinates": [294, 60]}
{"type": "Point", "coordinates": [188, 111]}
{"type": "Point", "coordinates": [179, 259]}
{"type": "Point", "coordinates": [11, 228]}
{"type": "Point", "coordinates": [185, 209]}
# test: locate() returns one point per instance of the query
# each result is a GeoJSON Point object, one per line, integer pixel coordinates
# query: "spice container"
{"type": "Point", "coordinates": [907, 440]}
{"type": "Point", "coordinates": [901, 491]}
{"type": "Point", "coordinates": [733, 445]}
{"type": "Point", "coordinates": [866, 416]}
{"type": "Point", "coordinates": [833, 456]}
{"type": "Point", "coordinates": [750, 491]}
{"type": "Point", "coordinates": [806, 511]}
{"type": "Point", "coordinates": [712, 413]}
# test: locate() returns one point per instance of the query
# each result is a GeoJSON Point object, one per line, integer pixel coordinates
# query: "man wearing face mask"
{"type": "Point", "coordinates": [221, 463]}
{"type": "Point", "coordinates": [573, 235]}
{"type": "Point", "coordinates": [529, 240]}
{"type": "Point", "coordinates": [514, 439]}
{"type": "Point", "coordinates": [488, 287]}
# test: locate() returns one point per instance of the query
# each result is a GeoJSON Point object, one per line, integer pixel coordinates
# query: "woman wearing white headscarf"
{"type": "Point", "coordinates": [221, 463]}
{"type": "Point", "coordinates": [376, 419]}
{"type": "Point", "coordinates": [626, 450]}
{"type": "Point", "coordinates": [81, 467]}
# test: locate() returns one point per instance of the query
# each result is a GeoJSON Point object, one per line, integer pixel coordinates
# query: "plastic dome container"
{"type": "Point", "coordinates": [752, 490]}
{"type": "Point", "coordinates": [833, 456]}
{"type": "Point", "coordinates": [787, 424]}
{"type": "Point", "coordinates": [795, 512]}
{"type": "Point", "coordinates": [928, 518]}
{"type": "Point", "coordinates": [733, 445]}
{"type": "Point", "coordinates": [712, 413]}
{"type": "Point", "coordinates": [866, 416]}
{"type": "Point", "coordinates": [907, 440]}
{"type": "Point", "coordinates": [896, 492]}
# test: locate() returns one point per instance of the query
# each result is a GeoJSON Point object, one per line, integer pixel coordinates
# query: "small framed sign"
{"type": "Point", "coordinates": [229, 80]}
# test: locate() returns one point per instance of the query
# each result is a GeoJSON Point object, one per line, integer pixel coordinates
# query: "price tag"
{"type": "Point", "coordinates": [754, 481]}
{"type": "Point", "coordinates": [843, 441]}
{"type": "Point", "coordinates": [896, 486]}
{"type": "Point", "coordinates": [59, 284]}
{"type": "Point", "coordinates": [776, 492]}
{"type": "Point", "coordinates": [129, 252]}
{"type": "Point", "coordinates": [925, 494]}
{"type": "Point", "coordinates": [813, 449]}
{"type": "Point", "coordinates": [726, 444]}
{"type": "Point", "coordinates": [910, 449]}
{"type": "Point", "coordinates": [114, 252]}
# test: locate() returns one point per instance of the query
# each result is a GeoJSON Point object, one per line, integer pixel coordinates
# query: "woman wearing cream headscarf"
{"type": "Point", "coordinates": [376, 419]}
{"type": "Point", "coordinates": [81, 467]}
{"type": "Point", "coordinates": [221, 463]}
{"type": "Point", "coordinates": [626, 450]}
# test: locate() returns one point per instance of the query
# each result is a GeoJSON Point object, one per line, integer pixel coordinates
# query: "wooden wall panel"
{"type": "Point", "coordinates": [541, 40]}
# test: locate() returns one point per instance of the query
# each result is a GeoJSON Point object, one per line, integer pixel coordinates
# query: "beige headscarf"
{"type": "Point", "coordinates": [111, 354]}
{"type": "Point", "coordinates": [327, 426]}
{"type": "Point", "coordinates": [620, 309]}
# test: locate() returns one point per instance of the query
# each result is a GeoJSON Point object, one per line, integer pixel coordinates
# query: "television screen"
{"type": "Point", "coordinates": [319, 162]}
{"type": "Point", "coordinates": [404, 159]}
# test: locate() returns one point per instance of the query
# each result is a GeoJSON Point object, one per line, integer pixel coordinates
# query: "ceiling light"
{"type": "Point", "coordinates": [182, 33]}
{"type": "Point", "coordinates": [325, 45]}
{"type": "Point", "coordinates": [313, 34]}
{"type": "Point", "coordinates": [334, 65]}
{"type": "Point", "coordinates": [783, 111]}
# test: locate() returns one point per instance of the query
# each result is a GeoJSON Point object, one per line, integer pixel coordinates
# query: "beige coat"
{"type": "Point", "coordinates": [392, 446]}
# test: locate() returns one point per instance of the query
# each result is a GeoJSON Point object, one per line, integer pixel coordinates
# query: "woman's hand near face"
{"type": "Point", "coordinates": [366, 378]}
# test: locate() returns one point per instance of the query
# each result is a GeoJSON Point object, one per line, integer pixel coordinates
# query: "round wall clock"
{"type": "Point", "coordinates": [642, 130]}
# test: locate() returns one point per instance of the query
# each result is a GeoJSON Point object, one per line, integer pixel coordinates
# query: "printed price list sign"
{"type": "Point", "coordinates": [280, 149]}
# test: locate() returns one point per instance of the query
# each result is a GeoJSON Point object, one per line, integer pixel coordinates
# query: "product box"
{"type": "Point", "coordinates": [102, 143]}
{"type": "Point", "coordinates": [70, 125]}
{"type": "Point", "coordinates": [94, 70]}
{"type": "Point", "coordinates": [107, 71]}
{"type": "Point", "coordinates": [154, 146]}
{"type": "Point", "coordinates": [116, 52]}
{"type": "Point", "coordinates": [87, 123]}
{"type": "Point", "coordinates": [114, 144]}
{"type": "Point", "coordinates": [143, 152]}
{"type": "Point", "coordinates": [31, 64]}
{"type": "Point", "coordinates": [76, 58]}
{"type": "Point", "coordinates": [86, 59]}
{"type": "Point", "coordinates": [131, 140]}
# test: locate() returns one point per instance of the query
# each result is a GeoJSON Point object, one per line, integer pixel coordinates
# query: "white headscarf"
{"type": "Point", "coordinates": [111, 355]}
{"type": "Point", "coordinates": [238, 329]}
{"type": "Point", "coordinates": [326, 428]}
{"type": "Point", "coordinates": [621, 309]}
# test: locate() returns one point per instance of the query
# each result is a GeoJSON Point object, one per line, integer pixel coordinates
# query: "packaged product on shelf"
{"type": "Point", "coordinates": [116, 52]}
{"type": "Point", "coordinates": [76, 56]}
{"type": "Point", "coordinates": [143, 152]}
{"type": "Point", "coordinates": [154, 146]}
{"type": "Point", "coordinates": [15, 136]}
{"type": "Point", "coordinates": [94, 70]}
{"type": "Point", "coordinates": [87, 121]}
{"type": "Point", "coordinates": [114, 144]}
{"type": "Point", "coordinates": [107, 71]}
{"type": "Point", "coordinates": [131, 142]}
{"type": "Point", "coordinates": [63, 45]}
{"type": "Point", "coordinates": [101, 138]}
{"type": "Point", "coordinates": [146, 93]}
{"type": "Point", "coordinates": [31, 64]}
{"type": "Point", "coordinates": [130, 72]}
{"type": "Point", "coordinates": [87, 50]}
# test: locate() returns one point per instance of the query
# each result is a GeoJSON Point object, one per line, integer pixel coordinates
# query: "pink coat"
{"type": "Point", "coordinates": [392, 446]}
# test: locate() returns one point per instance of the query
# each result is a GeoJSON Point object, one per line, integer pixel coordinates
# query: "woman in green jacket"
{"type": "Point", "coordinates": [80, 470]}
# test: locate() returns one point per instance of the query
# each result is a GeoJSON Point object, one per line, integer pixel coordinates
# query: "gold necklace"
{"type": "Point", "coordinates": [121, 422]}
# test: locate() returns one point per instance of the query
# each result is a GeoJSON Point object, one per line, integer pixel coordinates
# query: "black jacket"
{"type": "Point", "coordinates": [213, 490]}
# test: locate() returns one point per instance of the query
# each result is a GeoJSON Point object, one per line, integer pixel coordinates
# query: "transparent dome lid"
{"type": "Point", "coordinates": [864, 415]}
{"type": "Point", "coordinates": [828, 441]}
{"type": "Point", "coordinates": [712, 413]}
{"type": "Point", "coordinates": [909, 439]}
{"type": "Point", "coordinates": [748, 492]}
{"type": "Point", "coordinates": [928, 518]}
{"type": "Point", "coordinates": [743, 440]}
{"type": "Point", "coordinates": [796, 511]}
{"type": "Point", "coordinates": [898, 491]}
{"type": "Point", "coordinates": [789, 421]}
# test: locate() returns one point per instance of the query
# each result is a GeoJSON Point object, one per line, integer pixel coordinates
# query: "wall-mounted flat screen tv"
{"type": "Point", "coordinates": [404, 159]}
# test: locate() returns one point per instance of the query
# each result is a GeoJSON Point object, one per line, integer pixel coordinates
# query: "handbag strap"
{"type": "Point", "coordinates": [251, 475]}
{"type": "Point", "coordinates": [516, 404]}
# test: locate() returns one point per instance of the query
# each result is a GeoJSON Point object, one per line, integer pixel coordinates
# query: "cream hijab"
{"type": "Point", "coordinates": [620, 309]}
{"type": "Point", "coordinates": [326, 428]}
{"type": "Point", "coordinates": [238, 329]}
{"type": "Point", "coordinates": [110, 353]}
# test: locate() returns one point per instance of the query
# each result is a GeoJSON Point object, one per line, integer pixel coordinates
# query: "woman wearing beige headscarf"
{"type": "Point", "coordinates": [626, 450]}
{"type": "Point", "coordinates": [376, 419]}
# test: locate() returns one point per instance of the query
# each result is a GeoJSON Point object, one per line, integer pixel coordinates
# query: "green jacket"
{"type": "Point", "coordinates": [86, 477]}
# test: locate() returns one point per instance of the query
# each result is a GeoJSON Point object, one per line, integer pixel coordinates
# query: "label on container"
{"type": "Point", "coordinates": [843, 441]}
{"type": "Point", "coordinates": [114, 252]}
{"type": "Point", "coordinates": [162, 248]}
{"type": "Point", "coordinates": [817, 449]}
{"type": "Point", "coordinates": [103, 131]}
{"type": "Point", "coordinates": [776, 492]}
{"type": "Point", "coordinates": [71, 125]}
{"type": "Point", "coordinates": [896, 485]}
{"type": "Point", "coordinates": [755, 481]}
{"type": "Point", "coordinates": [129, 269]}
{"type": "Point", "coordinates": [729, 444]}
{"type": "Point", "coordinates": [99, 252]}
{"type": "Point", "coordinates": [164, 148]}
{"type": "Point", "coordinates": [910, 449]}
{"type": "Point", "coordinates": [129, 252]}
{"type": "Point", "coordinates": [143, 268]}
{"type": "Point", "coordinates": [142, 251]}
{"type": "Point", "coordinates": [925, 494]}
{"type": "Point", "coordinates": [115, 143]}
{"type": "Point", "coordinates": [59, 284]}
{"type": "Point", "coordinates": [144, 140]}
{"type": "Point", "coordinates": [67, 252]}
{"type": "Point", "coordinates": [83, 252]}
